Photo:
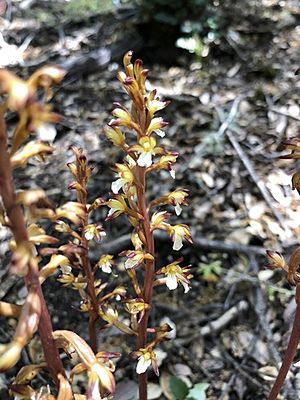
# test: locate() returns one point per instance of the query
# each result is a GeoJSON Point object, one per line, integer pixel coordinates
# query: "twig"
{"type": "Point", "coordinates": [221, 322]}
{"type": "Point", "coordinates": [284, 113]}
{"type": "Point", "coordinates": [246, 161]}
{"type": "Point", "coordinates": [116, 246]}
{"type": "Point", "coordinates": [240, 369]}
{"type": "Point", "coordinates": [261, 311]}
{"type": "Point", "coordinates": [230, 118]}
{"type": "Point", "coordinates": [258, 181]}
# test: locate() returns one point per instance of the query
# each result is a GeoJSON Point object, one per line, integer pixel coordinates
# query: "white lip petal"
{"type": "Point", "coordinates": [116, 185]}
{"type": "Point", "coordinates": [88, 235]}
{"type": "Point", "coordinates": [185, 286]}
{"type": "Point", "coordinates": [142, 365]}
{"type": "Point", "coordinates": [171, 281]}
{"type": "Point", "coordinates": [160, 133]}
{"type": "Point", "coordinates": [177, 242]}
{"type": "Point", "coordinates": [172, 173]}
{"type": "Point", "coordinates": [145, 159]}
{"type": "Point", "coordinates": [178, 209]}
{"type": "Point", "coordinates": [95, 391]}
{"type": "Point", "coordinates": [111, 211]}
{"type": "Point", "coordinates": [66, 269]}
{"type": "Point", "coordinates": [46, 132]}
{"type": "Point", "coordinates": [106, 268]}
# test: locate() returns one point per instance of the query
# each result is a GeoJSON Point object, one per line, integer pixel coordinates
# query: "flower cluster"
{"type": "Point", "coordinates": [136, 130]}
{"type": "Point", "coordinates": [21, 212]}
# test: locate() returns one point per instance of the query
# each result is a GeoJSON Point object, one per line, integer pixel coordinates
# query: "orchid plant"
{"type": "Point", "coordinates": [142, 156]}
{"type": "Point", "coordinates": [133, 130]}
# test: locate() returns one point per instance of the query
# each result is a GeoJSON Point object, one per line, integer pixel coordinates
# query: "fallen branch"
{"type": "Point", "coordinates": [216, 325]}
{"type": "Point", "coordinates": [121, 243]}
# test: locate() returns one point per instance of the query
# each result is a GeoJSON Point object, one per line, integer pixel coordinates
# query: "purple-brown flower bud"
{"type": "Point", "coordinates": [276, 260]}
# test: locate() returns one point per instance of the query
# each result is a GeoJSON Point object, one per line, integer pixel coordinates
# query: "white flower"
{"type": "Point", "coordinates": [180, 232]}
{"type": "Point", "coordinates": [46, 132]}
{"type": "Point", "coordinates": [89, 235]}
{"type": "Point", "coordinates": [177, 242]}
{"type": "Point", "coordinates": [172, 173]}
{"type": "Point", "coordinates": [175, 274]}
{"type": "Point", "coordinates": [93, 231]}
{"type": "Point", "coordinates": [66, 269]}
{"type": "Point", "coordinates": [106, 267]}
{"type": "Point", "coordinates": [125, 178]}
{"type": "Point", "coordinates": [145, 159]}
{"type": "Point", "coordinates": [143, 363]}
{"type": "Point", "coordinates": [146, 150]}
{"type": "Point", "coordinates": [171, 281]}
{"type": "Point", "coordinates": [105, 263]}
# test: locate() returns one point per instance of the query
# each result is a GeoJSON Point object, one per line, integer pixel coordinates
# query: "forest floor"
{"type": "Point", "coordinates": [229, 113]}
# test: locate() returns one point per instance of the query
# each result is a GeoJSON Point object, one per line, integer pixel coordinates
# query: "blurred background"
{"type": "Point", "coordinates": [228, 68]}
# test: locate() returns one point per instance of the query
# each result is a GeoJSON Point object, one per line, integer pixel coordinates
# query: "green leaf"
{"type": "Point", "coordinates": [178, 388]}
{"type": "Point", "coordinates": [198, 392]}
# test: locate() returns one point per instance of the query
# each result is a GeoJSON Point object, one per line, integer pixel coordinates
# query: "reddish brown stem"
{"type": "Point", "coordinates": [90, 280]}
{"type": "Point", "coordinates": [91, 291]}
{"type": "Point", "coordinates": [290, 352]}
{"type": "Point", "coordinates": [149, 274]}
{"type": "Point", "coordinates": [18, 227]}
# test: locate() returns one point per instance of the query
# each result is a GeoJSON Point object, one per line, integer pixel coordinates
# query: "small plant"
{"type": "Point", "coordinates": [181, 391]}
{"type": "Point", "coordinates": [210, 272]}
{"type": "Point", "coordinates": [78, 8]}
{"type": "Point", "coordinates": [133, 130]}
{"type": "Point", "coordinates": [291, 268]}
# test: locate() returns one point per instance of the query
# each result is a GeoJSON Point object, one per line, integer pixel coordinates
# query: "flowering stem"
{"type": "Point", "coordinates": [82, 198]}
{"type": "Point", "coordinates": [18, 227]}
{"type": "Point", "coordinates": [149, 274]}
{"type": "Point", "coordinates": [290, 352]}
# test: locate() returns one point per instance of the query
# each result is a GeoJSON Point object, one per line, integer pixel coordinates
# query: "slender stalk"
{"type": "Point", "coordinates": [149, 274]}
{"type": "Point", "coordinates": [290, 352]}
{"type": "Point", "coordinates": [18, 227]}
{"type": "Point", "coordinates": [82, 198]}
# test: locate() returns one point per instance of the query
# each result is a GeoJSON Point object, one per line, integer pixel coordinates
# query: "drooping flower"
{"type": "Point", "coordinates": [155, 126]}
{"type": "Point", "coordinates": [176, 274]}
{"type": "Point", "coordinates": [98, 367]}
{"type": "Point", "coordinates": [93, 231]}
{"type": "Point", "coordinates": [178, 233]}
{"type": "Point", "coordinates": [176, 198]}
{"type": "Point", "coordinates": [105, 263]}
{"type": "Point", "coordinates": [125, 179]}
{"type": "Point", "coordinates": [146, 150]}
{"type": "Point", "coordinates": [292, 144]}
{"type": "Point", "coordinates": [158, 220]}
{"type": "Point", "coordinates": [166, 161]}
{"type": "Point", "coordinates": [136, 306]}
{"type": "Point", "coordinates": [123, 115]}
{"type": "Point", "coordinates": [146, 357]}
{"type": "Point", "coordinates": [153, 104]}
{"type": "Point", "coordinates": [115, 135]}
{"type": "Point", "coordinates": [135, 258]}
{"type": "Point", "coordinates": [117, 206]}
